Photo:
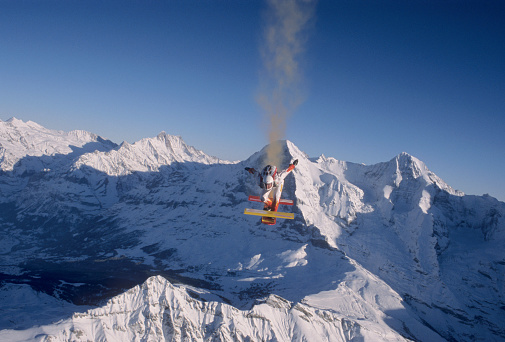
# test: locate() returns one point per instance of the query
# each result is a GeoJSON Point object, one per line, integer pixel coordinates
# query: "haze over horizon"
{"type": "Point", "coordinates": [426, 78]}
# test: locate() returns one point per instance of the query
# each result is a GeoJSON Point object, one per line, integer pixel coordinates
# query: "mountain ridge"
{"type": "Point", "coordinates": [20, 140]}
{"type": "Point", "coordinates": [170, 313]}
{"type": "Point", "coordinates": [388, 246]}
{"type": "Point", "coordinates": [153, 153]}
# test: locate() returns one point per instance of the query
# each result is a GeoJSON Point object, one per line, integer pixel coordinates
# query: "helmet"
{"type": "Point", "coordinates": [268, 176]}
{"type": "Point", "coordinates": [269, 182]}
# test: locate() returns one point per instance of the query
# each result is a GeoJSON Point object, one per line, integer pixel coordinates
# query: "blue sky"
{"type": "Point", "coordinates": [378, 78]}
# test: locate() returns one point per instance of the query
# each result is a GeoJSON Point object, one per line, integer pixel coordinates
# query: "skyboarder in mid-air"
{"type": "Point", "coordinates": [271, 182]}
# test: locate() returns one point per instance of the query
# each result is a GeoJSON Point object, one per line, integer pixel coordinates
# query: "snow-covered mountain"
{"type": "Point", "coordinates": [146, 155]}
{"type": "Point", "coordinates": [21, 140]}
{"type": "Point", "coordinates": [160, 311]}
{"type": "Point", "coordinates": [378, 253]}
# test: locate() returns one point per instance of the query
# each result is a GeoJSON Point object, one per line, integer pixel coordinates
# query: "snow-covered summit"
{"type": "Point", "coordinates": [146, 155]}
{"type": "Point", "coordinates": [408, 166]}
{"type": "Point", "coordinates": [19, 139]}
{"type": "Point", "coordinates": [159, 311]}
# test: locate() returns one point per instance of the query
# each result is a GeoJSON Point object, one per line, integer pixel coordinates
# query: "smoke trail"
{"type": "Point", "coordinates": [283, 42]}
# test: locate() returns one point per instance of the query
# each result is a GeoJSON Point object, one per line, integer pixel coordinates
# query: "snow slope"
{"type": "Point", "coordinates": [160, 311]}
{"type": "Point", "coordinates": [385, 252]}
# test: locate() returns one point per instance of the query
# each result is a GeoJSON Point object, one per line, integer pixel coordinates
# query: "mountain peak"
{"type": "Point", "coordinates": [174, 141]}
{"type": "Point", "coordinates": [21, 139]}
{"type": "Point", "coordinates": [162, 135]}
{"type": "Point", "coordinates": [172, 313]}
{"type": "Point", "coordinates": [14, 120]}
{"type": "Point", "coordinates": [407, 164]}
{"type": "Point", "coordinates": [287, 151]}
{"type": "Point", "coordinates": [406, 158]}
{"type": "Point", "coordinates": [147, 155]}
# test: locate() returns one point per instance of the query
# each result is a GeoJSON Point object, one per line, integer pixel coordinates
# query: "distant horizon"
{"type": "Point", "coordinates": [240, 160]}
{"type": "Point", "coordinates": [373, 79]}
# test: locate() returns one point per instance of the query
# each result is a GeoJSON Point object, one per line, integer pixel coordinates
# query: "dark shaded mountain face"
{"type": "Point", "coordinates": [390, 248]}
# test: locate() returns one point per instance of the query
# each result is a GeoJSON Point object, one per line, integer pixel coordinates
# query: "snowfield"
{"type": "Point", "coordinates": [147, 242]}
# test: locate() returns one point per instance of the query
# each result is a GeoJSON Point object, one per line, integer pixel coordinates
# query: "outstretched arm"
{"type": "Point", "coordinates": [251, 170]}
{"type": "Point", "coordinates": [292, 166]}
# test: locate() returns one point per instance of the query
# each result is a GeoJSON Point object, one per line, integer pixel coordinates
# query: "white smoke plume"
{"type": "Point", "coordinates": [285, 35]}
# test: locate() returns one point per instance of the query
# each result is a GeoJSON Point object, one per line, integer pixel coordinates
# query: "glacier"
{"type": "Point", "coordinates": [147, 242]}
